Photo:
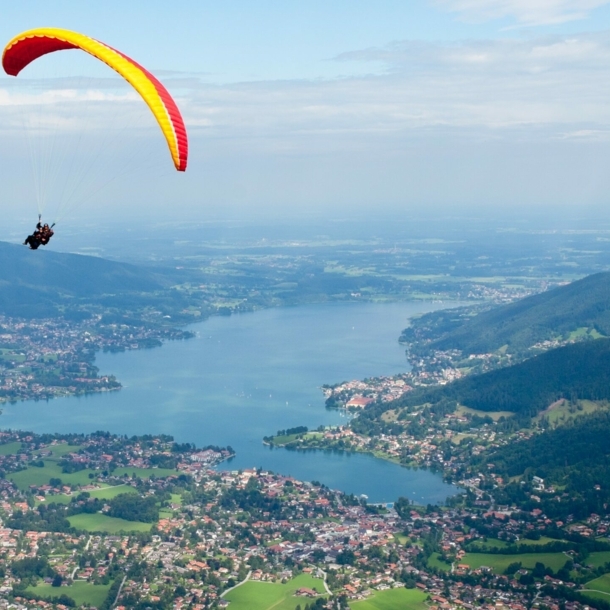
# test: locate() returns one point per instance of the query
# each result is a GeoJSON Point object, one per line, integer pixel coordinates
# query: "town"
{"type": "Point", "coordinates": [42, 359]}
{"type": "Point", "coordinates": [103, 521]}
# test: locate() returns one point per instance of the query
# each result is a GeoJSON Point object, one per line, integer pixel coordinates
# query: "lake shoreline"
{"type": "Point", "coordinates": [374, 454]}
{"type": "Point", "coordinates": [244, 375]}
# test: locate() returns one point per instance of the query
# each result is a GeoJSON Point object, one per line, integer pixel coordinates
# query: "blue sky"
{"type": "Point", "coordinates": [234, 41]}
{"type": "Point", "coordinates": [310, 107]}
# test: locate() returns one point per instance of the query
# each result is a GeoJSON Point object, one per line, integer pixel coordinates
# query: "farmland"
{"type": "Point", "coordinates": [264, 595]}
{"type": "Point", "coordinates": [109, 525]}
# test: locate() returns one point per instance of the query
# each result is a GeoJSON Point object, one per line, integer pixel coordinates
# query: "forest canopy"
{"type": "Point", "coordinates": [575, 371]}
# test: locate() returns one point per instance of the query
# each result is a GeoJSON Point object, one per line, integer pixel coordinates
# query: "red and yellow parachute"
{"type": "Point", "coordinates": [29, 46]}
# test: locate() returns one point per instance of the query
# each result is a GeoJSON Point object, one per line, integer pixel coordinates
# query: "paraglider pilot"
{"type": "Point", "coordinates": [40, 237]}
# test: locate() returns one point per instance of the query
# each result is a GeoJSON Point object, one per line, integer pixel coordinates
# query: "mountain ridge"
{"type": "Point", "coordinates": [552, 314]}
{"type": "Point", "coordinates": [580, 370]}
{"type": "Point", "coordinates": [42, 283]}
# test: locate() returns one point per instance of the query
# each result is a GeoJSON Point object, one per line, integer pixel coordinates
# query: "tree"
{"type": "Point", "coordinates": [133, 507]}
{"type": "Point", "coordinates": [539, 570]}
{"type": "Point", "coordinates": [346, 557]}
{"type": "Point", "coordinates": [513, 568]}
{"type": "Point", "coordinates": [526, 579]}
{"type": "Point", "coordinates": [402, 506]}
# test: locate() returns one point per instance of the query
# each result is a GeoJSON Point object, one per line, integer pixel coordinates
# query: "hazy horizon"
{"type": "Point", "coordinates": [301, 111]}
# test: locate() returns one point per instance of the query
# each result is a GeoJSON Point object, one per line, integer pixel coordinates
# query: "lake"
{"type": "Point", "coordinates": [246, 376]}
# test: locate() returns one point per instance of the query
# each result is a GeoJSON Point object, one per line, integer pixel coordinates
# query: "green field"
{"type": "Point", "coordinates": [103, 493]}
{"type": "Point", "coordinates": [582, 332]}
{"type": "Point", "coordinates": [401, 539]}
{"type": "Point", "coordinates": [491, 543]}
{"type": "Point", "coordinates": [285, 439]}
{"type": "Point", "coordinates": [10, 448]}
{"type": "Point", "coordinates": [103, 523]}
{"type": "Point", "coordinates": [495, 415]}
{"type": "Point", "coordinates": [499, 563]}
{"type": "Point", "coordinates": [41, 476]}
{"type": "Point", "coordinates": [600, 588]}
{"type": "Point", "coordinates": [263, 596]}
{"type": "Point", "coordinates": [58, 451]}
{"type": "Point", "coordinates": [456, 439]}
{"type": "Point", "coordinates": [51, 469]}
{"type": "Point", "coordinates": [57, 499]}
{"type": "Point", "coordinates": [434, 561]}
{"type": "Point", "coordinates": [561, 412]}
{"type": "Point", "coordinates": [10, 355]}
{"type": "Point", "coordinates": [144, 473]}
{"type": "Point", "coordinates": [81, 592]}
{"type": "Point", "coordinates": [600, 584]}
{"type": "Point", "coordinates": [597, 559]}
{"type": "Point", "coordinates": [112, 491]}
{"type": "Point", "coordinates": [595, 595]}
{"type": "Point", "coordinates": [407, 599]}
{"type": "Point", "coordinates": [540, 542]}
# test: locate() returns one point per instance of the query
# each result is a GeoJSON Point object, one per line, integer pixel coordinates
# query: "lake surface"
{"type": "Point", "coordinates": [246, 376]}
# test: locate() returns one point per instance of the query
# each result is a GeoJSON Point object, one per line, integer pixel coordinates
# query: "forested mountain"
{"type": "Point", "coordinates": [44, 283]}
{"type": "Point", "coordinates": [579, 370]}
{"type": "Point", "coordinates": [576, 455]}
{"type": "Point", "coordinates": [519, 325]}
{"type": "Point", "coordinates": [583, 440]}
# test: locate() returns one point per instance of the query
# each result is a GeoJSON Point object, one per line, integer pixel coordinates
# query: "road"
{"type": "Point", "coordinates": [239, 584]}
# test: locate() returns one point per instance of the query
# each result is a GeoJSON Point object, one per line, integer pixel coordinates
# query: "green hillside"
{"type": "Point", "coordinates": [580, 442]}
{"type": "Point", "coordinates": [579, 370]}
{"type": "Point", "coordinates": [575, 457]}
{"type": "Point", "coordinates": [45, 283]}
{"type": "Point", "coordinates": [583, 304]}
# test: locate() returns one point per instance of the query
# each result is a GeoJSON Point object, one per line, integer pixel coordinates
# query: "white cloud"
{"type": "Point", "coordinates": [60, 97]}
{"type": "Point", "coordinates": [513, 107]}
{"type": "Point", "coordinates": [551, 83]}
{"type": "Point", "coordinates": [526, 12]}
{"type": "Point", "coordinates": [556, 83]}
{"type": "Point", "coordinates": [600, 135]}
{"type": "Point", "coordinates": [53, 109]}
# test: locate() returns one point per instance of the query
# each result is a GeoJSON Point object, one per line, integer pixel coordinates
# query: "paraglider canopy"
{"type": "Point", "coordinates": [32, 44]}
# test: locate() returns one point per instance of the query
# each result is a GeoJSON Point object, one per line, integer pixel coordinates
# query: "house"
{"type": "Point", "coordinates": [358, 401]}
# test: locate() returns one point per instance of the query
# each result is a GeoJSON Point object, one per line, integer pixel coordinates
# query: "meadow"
{"type": "Point", "coordinates": [61, 449]}
{"type": "Point", "coordinates": [598, 588]}
{"type": "Point", "coordinates": [33, 475]}
{"type": "Point", "coordinates": [562, 411]}
{"type": "Point", "coordinates": [103, 493]}
{"type": "Point", "coordinates": [144, 473]}
{"type": "Point", "coordinates": [10, 448]}
{"type": "Point", "coordinates": [263, 595]}
{"type": "Point", "coordinates": [97, 522]}
{"type": "Point", "coordinates": [598, 558]}
{"type": "Point", "coordinates": [499, 563]}
{"type": "Point", "coordinates": [83, 593]}
{"type": "Point", "coordinates": [491, 543]}
{"type": "Point", "coordinates": [434, 561]}
{"type": "Point", "coordinates": [495, 415]}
